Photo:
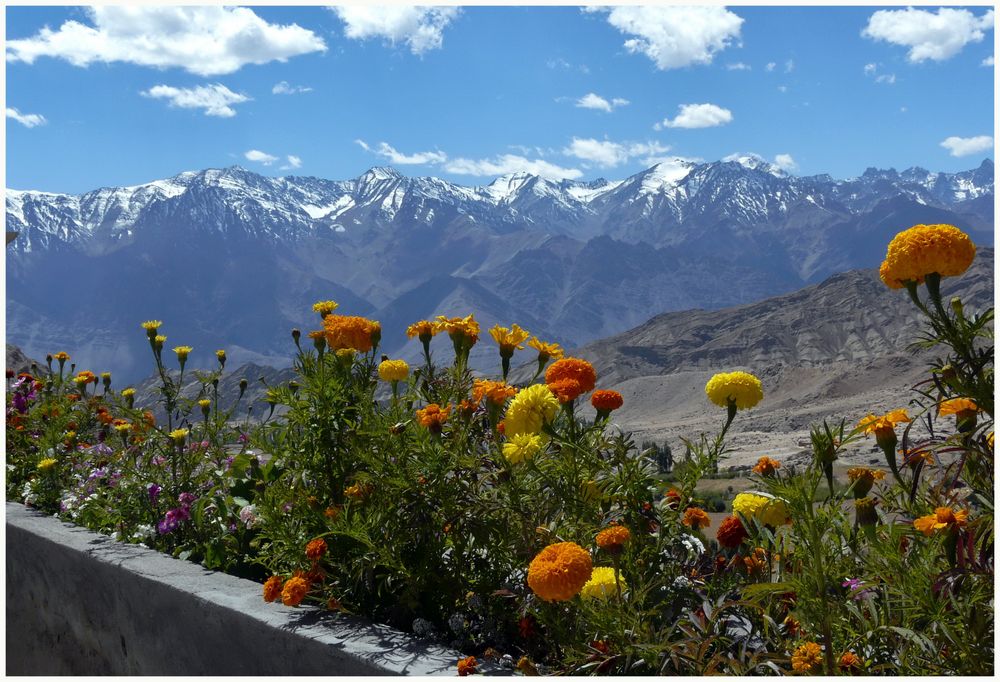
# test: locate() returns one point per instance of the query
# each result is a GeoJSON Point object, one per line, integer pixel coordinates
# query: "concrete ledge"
{"type": "Point", "coordinates": [79, 603]}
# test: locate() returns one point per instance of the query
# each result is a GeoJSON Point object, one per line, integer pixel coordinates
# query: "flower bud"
{"type": "Point", "coordinates": [296, 334]}
{"type": "Point", "coordinates": [956, 305]}
{"type": "Point", "coordinates": [864, 508]}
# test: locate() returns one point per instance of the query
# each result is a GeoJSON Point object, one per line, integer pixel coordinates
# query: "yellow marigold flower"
{"type": "Point", "coordinates": [272, 588]}
{"type": "Point", "coordinates": [769, 511]}
{"type": "Point", "coordinates": [807, 658]}
{"type": "Point", "coordinates": [559, 571]}
{"type": "Point", "coordinates": [346, 353]}
{"type": "Point", "coordinates": [509, 340]}
{"type": "Point", "coordinates": [696, 518]}
{"type": "Point", "coordinates": [324, 308]}
{"type": "Point", "coordinates": [346, 331]}
{"type": "Point", "coordinates": [496, 392]}
{"type": "Point", "coordinates": [548, 351]}
{"type": "Point", "coordinates": [151, 326]}
{"type": "Point", "coordinates": [423, 330]}
{"type": "Point", "coordinates": [530, 409]}
{"type": "Point", "coordinates": [943, 517]}
{"type": "Point", "coordinates": [602, 584]}
{"type": "Point", "coordinates": [958, 406]}
{"type": "Point", "coordinates": [925, 249]}
{"type": "Point", "coordinates": [883, 427]}
{"type": "Point", "coordinates": [393, 370]}
{"type": "Point", "coordinates": [433, 417]}
{"type": "Point", "coordinates": [106, 377]}
{"type": "Point", "coordinates": [766, 466]}
{"type": "Point", "coordinates": [183, 352]}
{"type": "Point", "coordinates": [121, 426]}
{"type": "Point", "coordinates": [294, 591]}
{"type": "Point", "coordinates": [128, 392]}
{"type": "Point", "coordinates": [61, 356]}
{"type": "Point", "coordinates": [570, 377]}
{"type": "Point", "coordinates": [613, 538]}
{"type": "Point", "coordinates": [915, 455]}
{"type": "Point", "coordinates": [464, 326]}
{"type": "Point", "coordinates": [159, 340]}
{"type": "Point", "coordinates": [179, 435]}
{"type": "Point", "coordinates": [46, 464]}
{"type": "Point", "coordinates": [522, 447]}
{"type": "Point", "coordinates": [220, 355]}
{"type": "Point", "coordinates": [863, 479]}
{"type": "Point", "coordinates": [742, 388]}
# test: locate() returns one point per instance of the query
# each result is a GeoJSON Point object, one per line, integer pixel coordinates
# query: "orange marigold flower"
{"type": "Point", "coordinates": [607, 401]}
{"type": "Point", "coordinates": [347, 331]}
{"type": "Point", "coordinates": [673, 498]}
{"type": "Point", "coordinates": [560, 571]}
{"type": "Point", "coordinates": [756, 562]}
{"type": "Point", "coordinates": [731, 532]}
{"type": "Point", "coordinates": [460, 329]}
{"type": "Point", "coordinates": [294, 591]}
{"type": "Point", "coordinates": [467, 666]}
{"type": "Point", "coordinates": [566, 390]}
{"type": "Point", "coordinates": [316, 549]}
{"type": "Point", "coordinates": [766, 466]}
{"type": "Point", "coordinates": [272, 588]}
{"type": "Point", "coordinates": [696, 518]}
{"type": "Point", "coordinates": [613, 538]}
{"type": "Point", "coordinates": [496, 391]}
{"type": "Point", "coordinates": [915, 455]}
{"type": "Point", "coordinates": [807, 658]}
{"type": "Point", "coordinates": [883, 427]}
{"type": "Point", "coordinates": [793, 626]}
{"type": "Point", "coordinates": [863, 479]}
{"type": "Point", "coordinates": [575, 369]}
{"type": "Point", "coordinates": [943, 517]}
{"type": "Point", "coordinates": [105, 417]}
{"type": "Point", "coordinates": [358, 491]}
{"type": "Point", "coordinates": [433, 417]}
{"type": "Point", "coordinates": [849, 662]}
{"type": "Point", "coordinates": [959, 407]}
{"type": "Point", "coordinates": [331, 513]}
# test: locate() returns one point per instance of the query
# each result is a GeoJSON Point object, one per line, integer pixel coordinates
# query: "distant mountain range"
{"type": "Point", "coordinates": [231, 259]}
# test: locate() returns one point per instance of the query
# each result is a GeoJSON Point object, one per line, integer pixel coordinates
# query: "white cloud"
{"type": "Point", "coordinates": [215, 99]}
{"type": "Point", "coordinates": [963, 146]}
{"type": "Point", "coordinates": [293, 162]}
{"type": "Point", "coordinates": [738, 66]}
{"type": "Point", "coordinates": [785, 162]}
{"type": "Point", "coordinates": [929, 35]}
{"type": "Point", "coordinates": [673, 36]}
{"type": "Point", "coordinates": [260, 157]}
{"type": "Point", "coordinates": [510, 163]}
{"type": "Point", "coordinates": [283, 88]}
{"type": "Point", "coordinates": [387, 151]}
{"type": "Point", "coordinates": [770, 66]}
{"type": "Point", "coordinates": [607, 154]}
{"type": "Point", "coordinates": [789, 66]}
{"type": "Point", "coordinates": [27, 120]}
{"type": "Point", "coordinates": [594, 101]}
{"type": "Point", "coordinates": [871, 70]}
{"type": "Point", "coordinates": [207, 41]}
{"type": "Point", "coordinates": [698, 116]}
{"type": "Point", "coordinates": [987, 62]}
{"type": "Point", "coordinates": [903, 110]}
{"type": "Point", "coordinates": [782, 88]}
{"type": "Point", "coordinates": [420, 28]}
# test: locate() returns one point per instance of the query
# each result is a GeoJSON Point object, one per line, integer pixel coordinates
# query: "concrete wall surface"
{"type": "Point", "coordinates": [79, 603]}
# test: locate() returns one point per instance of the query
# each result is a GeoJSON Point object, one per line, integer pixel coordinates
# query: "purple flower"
{"type": "Point", "coordinates": [853, 584]}
{"type": "Point", "coordinates": [154, 492]}
{"type": "Point", "coordinates": [20, 403]}
{"type": "Point", "coordinates": [244, 438]}
{"type": "Point", "coordinates": [159, 460]}
{"type": "Point", "coordinates": [186, 499]}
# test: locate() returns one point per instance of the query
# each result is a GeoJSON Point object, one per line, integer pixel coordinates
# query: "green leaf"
{"type": "Point", "coordinates": [765, 588]}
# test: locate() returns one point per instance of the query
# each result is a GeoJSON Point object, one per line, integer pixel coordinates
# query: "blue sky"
{"type": "Point", "coordinates": [121, 97]}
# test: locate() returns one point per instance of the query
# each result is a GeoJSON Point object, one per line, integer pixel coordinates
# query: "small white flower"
{"type": "Point", "coordinates": [248, 515]}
